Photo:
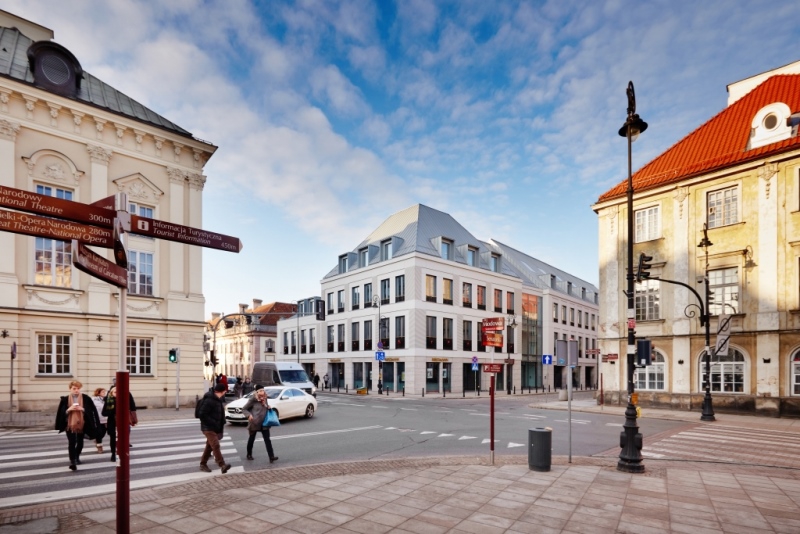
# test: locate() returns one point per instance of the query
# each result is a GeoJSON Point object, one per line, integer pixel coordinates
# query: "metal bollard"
{"type": "Point", "coordinates": [515, 390]}
{"type": "Point", "coordinates": [345, 388]}
{"type": "Point", "coordinates": [463, 393]}
{"type": "Point", "coordinates": [540, 448]}
{"type": "Point", "coordinates": [444, 393]}
{"type": "Point", "coordinates": [404, 391]}
{"type": "Point", "coordinates": [423, 392]}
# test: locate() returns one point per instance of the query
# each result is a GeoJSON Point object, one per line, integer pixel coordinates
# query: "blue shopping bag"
{"type": "Point", "coordinates": [271, 419]}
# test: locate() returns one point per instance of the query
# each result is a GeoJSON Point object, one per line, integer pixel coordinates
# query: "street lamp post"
{"type": "Point", "coordinates": [708, 407]}
{"type": "Point", "coordinates": [512, 324]}
{"type": "Point", "coordinates": [376, 301]}
{"type": "Point", "coordinates": [630, 457]}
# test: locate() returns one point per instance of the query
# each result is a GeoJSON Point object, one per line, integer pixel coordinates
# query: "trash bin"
{"type": "Point", "coordinates": [540, 448]}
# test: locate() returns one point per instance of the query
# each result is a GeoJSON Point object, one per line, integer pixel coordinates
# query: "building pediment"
{"type": "Point", "coordinates": [52, 167]}
{"type": "Point", "coordinates": [139, 189]}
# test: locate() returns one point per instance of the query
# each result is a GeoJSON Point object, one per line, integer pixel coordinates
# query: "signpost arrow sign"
{"type": "Point", "coordinates": [97, 266]}
{"type": "Point", "coordinates": [183, 234]}
{"type": "Point", "coordinates": [20, 200]}
{"type": "Point", "coordinates": [547, 359]}
{"type": "Point", "coordinates": [23, 223]}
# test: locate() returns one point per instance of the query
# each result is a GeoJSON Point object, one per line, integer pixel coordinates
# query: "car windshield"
{"type": "Point", "coordinates": [294, 375]}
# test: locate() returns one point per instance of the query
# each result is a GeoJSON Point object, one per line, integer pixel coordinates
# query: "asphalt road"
{"type": "Point", "coordinates": [33, 465]}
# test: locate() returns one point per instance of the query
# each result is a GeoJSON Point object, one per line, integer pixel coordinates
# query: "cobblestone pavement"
{"type": "Point", "coordinates": [464, 494]}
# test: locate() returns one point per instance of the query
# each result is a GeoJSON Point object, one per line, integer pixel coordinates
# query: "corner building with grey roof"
{"type": "Point", "coordinates": [417, 289]}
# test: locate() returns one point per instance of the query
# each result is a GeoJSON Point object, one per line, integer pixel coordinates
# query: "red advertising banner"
{"type": "Point", "coordinates": [97, 266]}
{"type": "Point", "coordinates": [492, 367]}
{"type": "Point", "coordinates": [23, 223]}
{"type": "Point", "coordinates": [492, 340]}
{"type": "Point", "coordinates": [183, 234]}
{"type": "Point", "coordinates": [493, 324]}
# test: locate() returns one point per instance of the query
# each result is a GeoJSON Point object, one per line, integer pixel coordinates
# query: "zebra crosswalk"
{"type": "Point", "coordinates": [34, 465]}
{"type": "Point", "coordinates": [724, 443]}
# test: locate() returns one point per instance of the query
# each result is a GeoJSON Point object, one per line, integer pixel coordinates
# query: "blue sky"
{"type": "Point", "coordinates": [332, 115]}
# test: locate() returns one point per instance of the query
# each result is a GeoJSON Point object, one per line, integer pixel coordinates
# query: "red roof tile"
{"type": "Point", "coordinates": [721, 142]}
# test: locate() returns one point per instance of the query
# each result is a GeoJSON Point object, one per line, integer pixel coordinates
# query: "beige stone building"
{"type": "Point", "coordinates": [65, 133]}
{"type": "Point", "coordinates": [739, 174]}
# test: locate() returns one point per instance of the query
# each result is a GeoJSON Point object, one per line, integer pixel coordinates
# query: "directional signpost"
{"type": "Point", "coordinates": [99, 224]}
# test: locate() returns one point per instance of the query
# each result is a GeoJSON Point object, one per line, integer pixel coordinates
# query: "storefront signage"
{"type": "Point", "coordinates": [439, 360]}
{"type": "Point", "coordinates": [612, 356]}
{"type": "Point", "coordinates": [493, 324]}
{"type": "Point", "coordinates": [335, 360]}
{"type": "Point", "coordinates": [392, 360]}
{"type": "Point", "coordinates": [492, 339]}
{"type": "Point", "coordinates": [492, 367]}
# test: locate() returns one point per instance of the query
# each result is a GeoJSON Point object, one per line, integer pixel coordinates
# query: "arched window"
{"type": "Point", "coordinates": [796, 373]}
{"type": "Point", "coordinates": [652, 376]}
{"type": "Point", "coordinates": [727, 372]}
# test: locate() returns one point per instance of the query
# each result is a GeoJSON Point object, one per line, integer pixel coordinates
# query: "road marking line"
{"type": "Point", "coordinates": [381, 407]}
{"type": "Point", "coordinates": [576, 421]}
{"type": "Point", "coordinates": [511, 444]}
{"type": "Point", "coordinates": [141, 449]}
{"type": "Point", "coordinates": [487, 440]}
{"type": "Point", "coordinates": [468, 410]}
{"type": "Point", "coordinates": [326, 432]}
{"type": "Point", "coordinates": [390, 428]}
{"type": "Point", "coordinates": [428, 432]}
{"type": "Point", "coordinates": [409, 409]}
{"type": "Point", "coordinates": [444, 435]}
{"type": "Point", "coordinates": [466, 437]}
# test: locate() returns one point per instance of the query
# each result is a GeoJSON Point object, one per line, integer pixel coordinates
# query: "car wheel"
{"type": "Point", "coordinates": [309, 411]}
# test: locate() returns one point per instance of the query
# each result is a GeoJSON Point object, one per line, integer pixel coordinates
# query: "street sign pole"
{"type": "Point", "coordinates": [123, 396]}
{"type": "Point", "coordinates": [491, 425]}
{"type": "Point", "coordinates": [178, 379]}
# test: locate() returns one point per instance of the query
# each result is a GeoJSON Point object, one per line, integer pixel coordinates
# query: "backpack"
{"type": "Point", "coordinates": [197, 407]}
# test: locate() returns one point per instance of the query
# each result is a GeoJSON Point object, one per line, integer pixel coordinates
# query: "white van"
{"type": "Point", "coordinates": [282, 374]}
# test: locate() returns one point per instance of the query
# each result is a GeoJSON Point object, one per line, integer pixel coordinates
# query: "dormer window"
{"type": "Point", "coordinates": [342, 264]}
{"type": "Point", "coordinates": [386, 250]}
{"type": "Point", "coordinates": [494, 263]}
{"type": "Point", "coordinates": [447, 249]}
{"type": "Point", "coordinates": [54, 68]}
{"type": "Point", "coordinates": [770, 125]}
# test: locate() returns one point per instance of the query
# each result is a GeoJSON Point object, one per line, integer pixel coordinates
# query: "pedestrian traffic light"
{"type": "Point", "coordinates": [174, 355]}
{"type": "Point", "coordinates": [320, 304]}
{"type": "Point", "coordinates": [643, 271]}
{"type": "Point", "coordinates": [644, 351]}
{"type": "Point", "coordinates": [213, 357]}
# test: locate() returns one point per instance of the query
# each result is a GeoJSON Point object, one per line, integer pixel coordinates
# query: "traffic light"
{"type": "Point", "coordinates": [643, 271]}
{"type": "Point", "coordinates": [213, 357]}
{"type": "Point", "coordinates": [174, 355]}
{"type": "Point", "coordinates": [320, 304]}
{"type": "Point", "coordinates": [644, 352]}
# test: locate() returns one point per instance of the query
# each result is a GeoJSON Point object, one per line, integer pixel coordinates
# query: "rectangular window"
{"type": "Point", "coordinates": [494, 263]}
{"type": "Point", "coordinates": [509, 302]}
{"type": "Point", "coordinates": [447, 334]}
{"type": "Point", "coordinates": [294, 342]}
{"type": "Point", "coordinates": [563, 314]}
{"type": "Point", "coordinates": [498, 300]}
{"type": "Point", "coordinates": [447, 296]}
{"type": "Point", "coordinates": [140, 273]}
{"type": "Point", "coordinates": [430, 288]}
{"type": "Point", "coordinates": [367, 335]}
{"type": "Point", "coordinates": [385, 291]}
{"type": "Point", "coordinates": [53, 258]}
{"type": "Point", "coordinates": [572, 316]}
{"type": "Point", "coordinates": [472, 257]}
{"type": "Point", "coordinates": [55, 354]}
{"type": "Point", "coordinates": [340, 338]}
{"type": "Point", "coordinates": [354, 335]}
{"type": "Point", "coordinates": [141, 211]}
{"type": "Point", "coordinates": [723, 207]}
{"type": "Point", "coordinates": [340, 300]}
{"type": "Point", "coordinates": [400, 332]}
{"type": "Point", "coordinates": [430, 332]}
{"type": "Point", "coordinates": [724, 287]}
{"type": "Point", "coordinates": [330, 338]}
{"type": "Point", "coordinates": [367, 295]}
{"type": "Point", "coordinates": [555, 312]}
{"type": "Point", "coordinates": [330, 303]}
{"type": "Point", "coordinates": [302, 341]}
{"type": "Point", "coordinates": [647, 300]}
{"type": "Point", "coordinates": [647, 224]}
{"type": "Point", "coordinates": [592, 321]}
{"type": "Point", "coordinates": [386, 250]}
{"type": "Point", "coordinates": [139, 356]}
{"type": "Point", "coordinates": [343, 264]}
{"type": "Point", "coordinates": [383, 333]}
{"type": "Point", "coordinates": [363, 257]}
{"type": "Point", "coordinates": [355, 297]}
{"type": "Point", "coordinates": [481, 297]}
{"type": "Point", "coordinates": [312, 341]}
{"type": "Point", "coordinates": [466, 295]}
{"type": "Point", "coordinates": [447, 249]}
{"type": "Point", "coordinates": [400, 288]}
{"type": "Point", "coordinates": [580, 319]}
{"type": "Point", "coordinates": [467, 337]}
{"type": "Point", "coordinates": [286, 343]}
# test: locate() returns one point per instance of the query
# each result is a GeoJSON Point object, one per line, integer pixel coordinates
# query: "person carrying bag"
{"type": "Point", "coordinates": [257, 411]}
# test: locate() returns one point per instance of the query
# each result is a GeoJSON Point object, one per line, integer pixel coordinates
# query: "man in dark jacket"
{"type": "Point", "coordinates": [212, 422]}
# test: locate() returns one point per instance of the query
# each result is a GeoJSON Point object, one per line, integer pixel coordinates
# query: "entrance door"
{"type": "Point", "coordinates": [471, 379]}
{"type": "Point", "coordinates": [358, 375]}
{"type": "Point", "coordinates": [388, 376]}
{"type": "Point", "coordinates": [432, 377]}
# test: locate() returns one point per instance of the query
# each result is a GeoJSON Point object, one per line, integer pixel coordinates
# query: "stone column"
{"type": "Point", "coordinates": [98, 293]}
{"type": "Point", "coordinates": [766, 252]}
{"type": "Point", "coordinates": [176, 289]}
{"type": "Point", "coordinates": [9, 283]}
{"type": "Point", "coordinates": [680, 376]}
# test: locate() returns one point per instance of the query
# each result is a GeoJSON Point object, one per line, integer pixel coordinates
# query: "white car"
{"type": "Point", "coordinates": [288, 401]}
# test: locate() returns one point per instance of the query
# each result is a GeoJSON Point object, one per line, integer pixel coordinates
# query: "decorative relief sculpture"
{"type": "Point", "coordinates": [680, 195]}
{"type": "Point", "coordinates": [8, 130]}
{"type": "Point", "coordinates": [99, 154]}
{"type": "Point", "coordinates": [766, 173]}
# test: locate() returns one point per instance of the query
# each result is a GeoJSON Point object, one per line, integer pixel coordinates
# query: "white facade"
{"type": "Point", "coordinates": [432, 302]}
{"type": "Point", "coordinates": [64, 322]}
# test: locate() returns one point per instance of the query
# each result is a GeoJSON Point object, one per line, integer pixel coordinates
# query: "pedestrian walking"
{"type": "Point", "coordinates": [256, 411]}
{"type": "Point", "coordinates": [211, 413]}
{"type": "Point", "coordinates": [77, 416]}
{"type": "Point", "coordinates": [248, 386]}
{"type": "Point", "coordinates": [316, 380]}
{"type": "Point", "coordinates": [238, 388]}
{"type": "Point", "coordinates": [99, 400]}
{"type": "Point", "coordinates": [110, 411]}
{"type": "Point", "coordinates": [325, 379]}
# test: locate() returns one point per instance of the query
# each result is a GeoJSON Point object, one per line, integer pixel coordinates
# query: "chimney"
{"type": "Point", "coordinates": [215, 316]}
{"type": "Point", "coordinates": [257, 303]}
{"type": "Point", "coordinates": [242, 308]}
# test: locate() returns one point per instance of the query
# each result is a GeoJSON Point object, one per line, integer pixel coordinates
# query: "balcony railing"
{"type": "Point", "coordinates": [430, 342]}
{"type": "Point", "coordinates": [467, 344]}
{"type": "Point", "coordinates": [399, 342]}
{"type": "Point", "coordinates": [367, 344]}
{"type": "Point", "coordinates": [448, 344]}
{"type": "Point", "coordinates": [330, 346]}
{"type": "Point", "coordinates": [354, 345]}
{"type": "Point", "coordinates": [286, 350]}
{"type": "Point", "coordinates": [312, 349]}
{"type": "Point", "coordinates": [340, 346]}
{"type": "Point", "coordinates": [467, 303]}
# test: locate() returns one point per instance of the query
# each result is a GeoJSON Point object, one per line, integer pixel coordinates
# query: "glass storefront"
{"type": "Point", "coordinates": [432, 377]}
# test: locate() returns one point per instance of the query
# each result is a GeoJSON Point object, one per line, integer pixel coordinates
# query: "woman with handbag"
{"type": "Point", "coordinates": [77, 416]}
{"type": "Point", "coordinates": [99, 400]}
{"type": "Point", "coordinates": [256, 411]}
{"type": "Point", "coordinates": [110, 411]}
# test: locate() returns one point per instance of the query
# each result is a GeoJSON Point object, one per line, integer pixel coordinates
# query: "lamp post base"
{"type": "Point", "coordinates": [630, 440]}
{"type": "Point", "coordinates": [708, 408]}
